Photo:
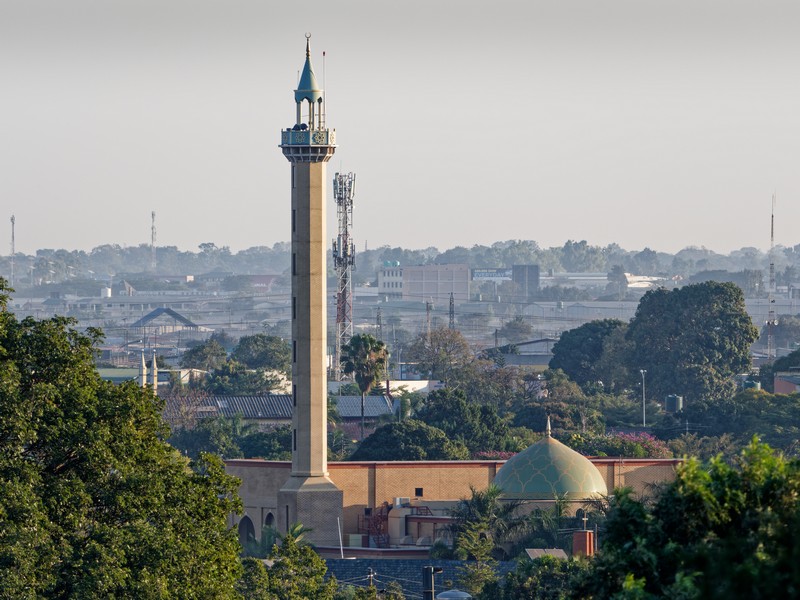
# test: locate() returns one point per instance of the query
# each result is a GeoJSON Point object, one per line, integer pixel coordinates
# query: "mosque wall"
{"type": "Point", "coordinates": [370, 484]}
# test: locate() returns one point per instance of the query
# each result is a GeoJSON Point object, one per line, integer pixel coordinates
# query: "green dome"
{"type": "Point", "coordinates": [549, 469]}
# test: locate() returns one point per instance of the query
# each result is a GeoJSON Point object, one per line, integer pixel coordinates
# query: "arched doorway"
{"type": "Point", "coordinates": [247, 533]}
{"type": "Point", "coordinates": [269, 521]}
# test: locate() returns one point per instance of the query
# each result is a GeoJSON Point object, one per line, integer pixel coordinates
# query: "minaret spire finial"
{"type": "Point", "coordinates": [308, 45]}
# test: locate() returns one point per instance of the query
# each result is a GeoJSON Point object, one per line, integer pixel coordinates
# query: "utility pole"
{"type": "Point", "coordinates": [428, 586]}
{"type": "Point", "coordinates": [644, 419]}
{"type": "Point", "coordinates": [452, 312]}
{"type": "Point", "coordinates": [771, 320]}
{"type": "Point", "coordinates": [379, 324]}
{"type": "Point", "coordinates": [428, 309]}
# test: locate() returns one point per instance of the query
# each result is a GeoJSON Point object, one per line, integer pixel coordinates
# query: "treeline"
{"type": "Point", "coordinates": [744, 267]}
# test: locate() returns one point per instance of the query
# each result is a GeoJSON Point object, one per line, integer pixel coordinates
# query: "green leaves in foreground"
{"type": "Point", "coordinates": [93, 502]}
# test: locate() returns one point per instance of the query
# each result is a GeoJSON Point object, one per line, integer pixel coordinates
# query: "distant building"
{"type": "Point", "coordinates": [390, 281]}
{"type": "Point", "coordinates": [787, 382]}
{"type": "Point", "coordinates": [423, 283]}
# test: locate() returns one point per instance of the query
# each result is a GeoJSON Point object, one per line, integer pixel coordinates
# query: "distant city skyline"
{"type": "Point", "coordinates": [647, 124]}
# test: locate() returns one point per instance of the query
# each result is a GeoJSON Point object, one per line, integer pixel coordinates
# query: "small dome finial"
{"type": "Point", "coordinates": [547, 429]}
{"type": "Point", "coordinates": [308, 45]}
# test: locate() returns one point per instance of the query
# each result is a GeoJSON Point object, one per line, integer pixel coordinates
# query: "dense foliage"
{"type": "Point", "coordinates": [230, 437]}
{"type": "Point", "coordinates": [478, 426]}
{"type": "Point", "coordinates": [628, 445]}
{"type": "Point", "coordinates": [256, 364]}
{"type": "Point", "coordinates": [578, 351]}
{"type": "Point", "coordinates": [262, 351]}
{"type": "Point", "coordinates": [409, 440]}
{"type": "Point", "coordinates": [692, 340]}
{"type": "Point", "coordinates": [725, 531]}
{"type": "Point", "coordinates": [93, 502]}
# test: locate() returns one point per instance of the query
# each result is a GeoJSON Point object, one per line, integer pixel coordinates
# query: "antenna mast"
{"type": "Point", "coordinates": [344, 260]}
{"type": "Point", "coordinates": [153, 241]}
{"type": "Point", "coordinates": [771, 320]}
{"type": "Point", "coordinates": [13, 248]}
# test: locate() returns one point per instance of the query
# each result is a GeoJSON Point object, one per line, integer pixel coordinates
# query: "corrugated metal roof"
{"type": "Point", "coordinates": [270, 406]}
{"type": "Point", "coordinates": [374, 406]}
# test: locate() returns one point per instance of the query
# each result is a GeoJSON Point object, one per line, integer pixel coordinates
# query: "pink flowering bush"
{"type": "Point", "coordinates": [627, 445]}
{"type": "Point", "coordinates": [493, 455]}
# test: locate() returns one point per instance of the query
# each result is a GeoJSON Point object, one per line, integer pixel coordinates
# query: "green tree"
{"type": "Point", "coordinates": [298, 572]}
{"type": "Point", "coordinates": [721, 531]}
{"type": "Point", "coordinates": [496, 520]}
{"type": "Point", "coordinates": [545, 578]}
{"type": "Point", "coordinates": [216, 435]}
{"type": "Point", "coordinates": [206, 356]}
{"type": "Point", "coordinates": [581, 257]}
{"type": "Point", "coordinates": [628, 445]}
{"type": "Point", "coordinates": [692, 340]}
{"type": "Point", "coordinates": [515, 330]}
{"type": "Point", "coordinates": [254, 583]}
{"type": "Point", "coordinates": [444, 356]}
{"type": "Point", "coordinates": [771, 416]}
{"type": "Point", "coordinates": [475, 546]}
{"type": "Point", "coordinates": [364, 357]}
{"type": "Point", "coordinates": [261, 351]}
{"type": "Point", "coordinates": [235, 379]}
{"type": "Point", "coordinates": [409, 440]}
{"type": "Point", "coordinates": [274, 444]}
{"type": "Point", "coordinates": [578, 351]}
{"type": "Point", "coordinates": [93, 501]}
{"type": "Point", "coordinates": [478, 426]}
{"type": "Point", "coordinates": [618, 281]}
{"type": "Point", "coordinates": [568, 407]}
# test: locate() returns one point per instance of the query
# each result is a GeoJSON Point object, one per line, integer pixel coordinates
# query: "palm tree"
{"type": "Point", "coordinates": [364, 357]}
{"type": "Point", "coordinates": [498, 518]}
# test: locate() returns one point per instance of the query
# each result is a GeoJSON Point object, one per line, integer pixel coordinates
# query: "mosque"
{"type": "Point", "coordinates": [393, 509]}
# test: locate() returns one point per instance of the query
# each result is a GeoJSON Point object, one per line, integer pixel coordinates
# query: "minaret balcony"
{"type": "Point", "coordinates": [307, 137]}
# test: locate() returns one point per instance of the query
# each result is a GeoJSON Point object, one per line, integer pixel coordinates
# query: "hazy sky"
{"type": "Point", "coordinates": [648, 123]}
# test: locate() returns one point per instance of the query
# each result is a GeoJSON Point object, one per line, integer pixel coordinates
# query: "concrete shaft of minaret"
{"type": "Point", "coordinates": [309, 322]}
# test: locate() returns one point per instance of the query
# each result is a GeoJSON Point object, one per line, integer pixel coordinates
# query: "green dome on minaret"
{"type": "Point", "coordinates": [547, 470]}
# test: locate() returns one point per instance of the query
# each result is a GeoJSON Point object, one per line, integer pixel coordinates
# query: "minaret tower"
{"type": "Point", "coordinates": [309, 496]}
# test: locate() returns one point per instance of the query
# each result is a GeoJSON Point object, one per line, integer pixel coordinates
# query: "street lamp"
{"type": "Point", "coordinates": [644, 417]}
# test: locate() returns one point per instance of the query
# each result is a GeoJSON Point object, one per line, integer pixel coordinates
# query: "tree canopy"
{"type": "Point", "coordinates": [93, 501]}
{"type": "Point", "coordinates": [364, 357]}
{"type": "Point", "coordinates": [515, 330]}
{"type": "Point", "coordinates": [205, 356]}
{"type": "Point", "coordinates": [478, 426]}
{"type": "Point", "coordinates": [578, 351]}
{"type": "Point", "coordinates": [262, 351]}
{"type": "Point", "coordinates": [409, 440]}
{"type": "Point", "coordinates": [444, 356]}
{"type": "Point", "coordinates": [692, 340]}
{"type": "Point", "coordinates": [725, 531]}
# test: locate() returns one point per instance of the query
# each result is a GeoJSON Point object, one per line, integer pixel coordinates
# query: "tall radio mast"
{"type": "Point", "coordinates": [771, 320]}
{"type": "Point", "coordinates": [13, 248]}
{"type": "Point", "coordinates": [344, 260]}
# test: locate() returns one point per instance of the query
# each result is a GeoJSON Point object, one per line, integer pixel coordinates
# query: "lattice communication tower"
{"type": "Point", "coordinates": [153, 241]}
{"type": "Point", "coordinates": [344, 261]}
